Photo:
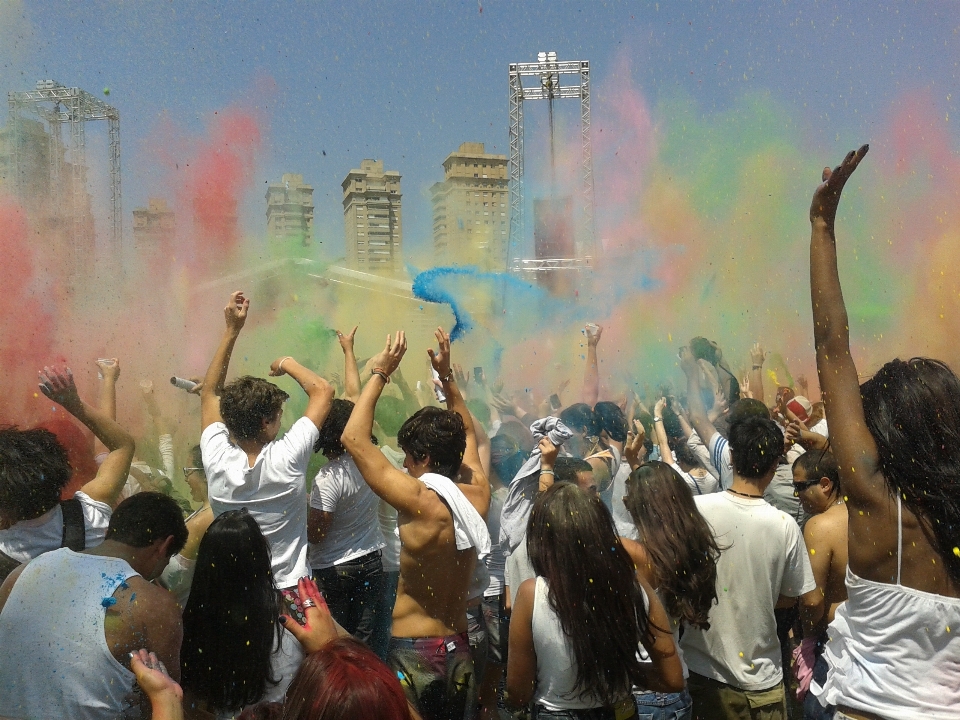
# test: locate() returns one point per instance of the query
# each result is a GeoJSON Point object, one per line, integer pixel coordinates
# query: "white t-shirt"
{"type": "Point", "coordinates": [274, 490]}
{"type": "Point", "coordinates": [496, 561]}
{"type": "Point", "coordinates": [29, 538]}
{"type": "Point", "coordinates": [698, 486]}
{"type": "Point", "coordinates": [720, 458]}
{"type": "Point", "coordinates": [621, 516]}
{"type": "Point", "coordinates": [355, 529]}
{"type": "Point", "coordinates": [388, 518]}
{"type": "Point", "coordinates": [762, 556]}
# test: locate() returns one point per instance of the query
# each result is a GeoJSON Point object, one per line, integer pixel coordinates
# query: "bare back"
{"type": "Point", "coordinates": [434, 575]}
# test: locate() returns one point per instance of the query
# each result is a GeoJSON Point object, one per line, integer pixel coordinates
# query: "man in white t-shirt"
{"type": "Point", "coordinates": [344, 531]}
{"type": "Point", "coordinates": [34, 469]}
{"type": "Point", "coordinates": [736, 670]}
{"type": "Point", "coordinates": [246, 465]}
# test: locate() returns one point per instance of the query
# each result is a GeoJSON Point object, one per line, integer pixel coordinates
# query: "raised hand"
{"type": "Point", "coordinates": [276, 367]}
{"type": "Point", "coordinates": [593, 332]}
{"type": "Point", "coordinates": [346, 340]}
{"type": "Point", "coordinates": [109, 368]}
{"type": "Point", "coordinates": [441, 359]}
{"type": "Point", "coordinates": [152, 677]}
{"type": "Point", "coordinates": [633, 450]}
{"type": "Point", "coordinates": [389, 358]}
{"type": "Point", "coordinates": [548, 453]}
{"type": "Point", "coordinates": [756, 354]}
{"type": "Point", "coordinates": [659, 407]}
{"type": "Point", "coordinates": [59, 386]}
{"type": "Point", "coordinates": [826, 198]}
{"type": "Point", "coordinates": [458, 374]}
{"type": "Point", "coordinates": [320, 628]}
{"type": "Point", "coordinates": [688, 363]}
{"type": "Point", "coordinates": [235, 313]}
{"type": "Point", "coordinates": [803, 386]}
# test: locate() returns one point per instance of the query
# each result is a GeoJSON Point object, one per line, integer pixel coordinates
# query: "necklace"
{"type": "Point", "coordinates": [743, 494]}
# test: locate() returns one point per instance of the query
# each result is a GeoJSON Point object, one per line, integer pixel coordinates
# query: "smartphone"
{"type": "Point", "coordinates": [437, 390]}
{"type": "Point", "coordinates": [478, 375]}
{"type": "Point", "coordinates": [555, 401]}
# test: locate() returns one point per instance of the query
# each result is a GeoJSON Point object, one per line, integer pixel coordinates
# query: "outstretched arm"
{"type": "Point", "coordinates": [852, 442]}
{"type": "Point", "coordinates": [351, 373]}
{"type": "Point", "coordinates": [663, 442]}
{"type": "Point", "coordinates": [112, 474]}
{"type": "Point", "coordinates": [395, 487]}
{"type": "Point", "coordinates": [757, 357]}
{"type": "Point", "coordinates": [591, 375]}
{"type": "Point", "coordinates": [473, 479]}
{"type": "Point", "coordinates": [235, 315]}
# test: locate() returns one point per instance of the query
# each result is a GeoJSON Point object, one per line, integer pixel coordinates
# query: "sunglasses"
{"type": "Point", "coordinates": [801, 486]}
{"type": "Point", "coordinates": [188, 470]}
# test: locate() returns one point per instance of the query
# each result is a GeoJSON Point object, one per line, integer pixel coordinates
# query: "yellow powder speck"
{"type": "Point", "coordinates": [813, 551]}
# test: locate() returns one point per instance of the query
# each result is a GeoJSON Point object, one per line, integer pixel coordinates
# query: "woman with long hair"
{"type": "Point", "coordinates": [576, 628]}
{"type": "Point", "coordinates": [678, 555]}
{"type": "Point", "coordinates": [232, 654]}
{"type": "Point", "coordinates": [894, 650]}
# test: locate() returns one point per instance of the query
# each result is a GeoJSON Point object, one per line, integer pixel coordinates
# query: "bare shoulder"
{"type": "Point", "coordinates": [151, 602]}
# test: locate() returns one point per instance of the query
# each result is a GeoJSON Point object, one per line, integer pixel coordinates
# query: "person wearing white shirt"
{"type": "Point", "coordinates": [343, 528]}
{"type": "Point", "coordinates": [246, 465]}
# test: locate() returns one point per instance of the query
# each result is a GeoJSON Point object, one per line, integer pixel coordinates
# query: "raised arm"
{"type": "Point", "coordinates": [756, 371]}
{"type": "Point", "coordinates": [472, 478]}
{"type": "Point", "coordinates": [698, 413]}
{"type": "Point", "coordinates": [319, 391]}
{"type": "Point", "coordinates": [351, 373]}
{"type": "Point", "coordinates": [591, 375]}
{"type": "Point", "coordinates": [395, 487]}
{"type": "Point", "coordinates": [666, 454]}
{"type": "Point", "coordinates": [112, 474]}
{"type": "Point", "coordinates": [235, 315]}
{"type": "Point", "coordinates": [852, 443]}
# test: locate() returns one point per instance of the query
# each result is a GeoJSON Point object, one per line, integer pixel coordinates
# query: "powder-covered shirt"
{"type": "Point", "coordinates": [273, 490]}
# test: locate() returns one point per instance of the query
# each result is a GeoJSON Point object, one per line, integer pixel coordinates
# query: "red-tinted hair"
{"type": "Point", "coordinates": [79, 451]}
{"type": "Point", "coordinates": [345, 681]}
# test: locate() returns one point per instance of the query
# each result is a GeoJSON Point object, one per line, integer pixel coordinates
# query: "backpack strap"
{"type": "Point", "coordinates": [74, 532]}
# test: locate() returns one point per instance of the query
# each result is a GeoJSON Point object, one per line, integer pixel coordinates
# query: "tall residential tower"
{"type": "Point", "coordinates": [290, 210]}
{"type": "Point", "coordinates": [371, 218]}
{"type": "Point", "coordinates": [470, 209]}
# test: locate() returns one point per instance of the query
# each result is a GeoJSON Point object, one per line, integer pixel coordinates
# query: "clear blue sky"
{"type": "Point", "coordinates": [409, 81]}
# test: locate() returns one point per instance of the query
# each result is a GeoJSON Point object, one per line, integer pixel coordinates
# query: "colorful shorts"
{"type": "Point", "coordinates": [437, 675]}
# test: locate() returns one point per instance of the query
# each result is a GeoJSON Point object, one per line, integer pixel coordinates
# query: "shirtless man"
{"type": "Point", "coordinates": [816, 481]}
{"type": "Point", "coordinates": [69, 621]}
{"type": "Point", "coordinates": [429, 647]}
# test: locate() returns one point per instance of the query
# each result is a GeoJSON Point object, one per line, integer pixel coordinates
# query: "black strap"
{"type": "Point", "coordinates": [74, 533]}
{"type": "Point", "coordinates": [7, 565]}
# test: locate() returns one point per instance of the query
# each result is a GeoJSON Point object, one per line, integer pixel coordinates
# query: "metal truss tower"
{"type": "Point", "coordinates": [549, 74]}
{"type": "Point", "coordinates": [56, 104]}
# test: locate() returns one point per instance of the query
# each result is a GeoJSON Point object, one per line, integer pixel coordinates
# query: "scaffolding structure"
{"type": "Point", "coordinates": [549, 74]}
{"type": "Point", "coordinates": [58, 105]}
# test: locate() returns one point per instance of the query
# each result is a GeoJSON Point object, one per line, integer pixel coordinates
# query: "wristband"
{"type": "Point", "coordinates": [547, 472]}
{"type": "Point", "coordinates": [758, 367]}
{"type": "Point", "coordinates": [448, 377]}
{"type": "Point", "coordinates": [382, 374]}
{"type": "Point", "coordinates": [280, 366]}
{"type": "Point", "coordinates": [658, 419]}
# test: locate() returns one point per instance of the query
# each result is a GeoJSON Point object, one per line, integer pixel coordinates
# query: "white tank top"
{"type": "Point", "coordinates": [54, 661]}
{"type": "Point", "coordinates": [894, 651]}
{"type": "Point", "coordinates": [556, 662]}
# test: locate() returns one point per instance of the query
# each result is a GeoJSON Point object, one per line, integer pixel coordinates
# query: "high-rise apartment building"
{"type": "Point", "coordinates": [154, 226]}
{"type": "Point", "coordinates": [470, 222]}
{"type": "Point", "coordinates": [290, 210]}
{"type": "Point", "coordinates": [371, 218]}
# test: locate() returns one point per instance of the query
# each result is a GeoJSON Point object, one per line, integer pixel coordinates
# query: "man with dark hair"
{"type": "Point", "coordinates": [69, 621]}
{"type": "Point", "coordinates": [441, 501]}
{"type": "Point", "coordinates": [736, 668]}
{"type": "Point", "coordinates": [246, 465]}
{"type": "Point", "coordinates": [577, 471]}
{"type": "Point", "coordinates": [816, 481]}
{"type": "Point", "coordinates": [34, 469]}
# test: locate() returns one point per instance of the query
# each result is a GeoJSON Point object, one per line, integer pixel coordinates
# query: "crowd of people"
{"type": "Point", "coordinates": [704, 552]}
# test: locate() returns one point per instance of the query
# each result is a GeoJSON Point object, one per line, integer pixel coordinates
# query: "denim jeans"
{"type": "Point", "coordinates": [353, 590]}
{"type": "Point", "coordinates": [664, 706]}
{"type": "Point", "coordinates": [812, 709]}
{"type": "Point", "coordinates": [381, 632]}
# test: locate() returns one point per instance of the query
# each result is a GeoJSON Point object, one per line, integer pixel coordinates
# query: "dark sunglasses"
{"type": "Point", "coordinates": [799, 487]}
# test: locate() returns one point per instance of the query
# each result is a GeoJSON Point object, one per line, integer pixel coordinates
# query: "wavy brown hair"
{"type": "Point", "coordinates": [677, 539]}
{"type": "Point", "coordinates": [570, 539]}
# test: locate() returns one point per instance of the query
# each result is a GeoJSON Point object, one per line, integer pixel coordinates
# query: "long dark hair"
{"type": "Point", "coordinates": [230, 624]}
{"type": "Point", "coordinates": [677, 540]}
{"type": "Point", "coordinates": [912, 411]}
{"type": "Point", "coordinates": [593, 589]}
